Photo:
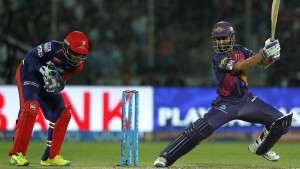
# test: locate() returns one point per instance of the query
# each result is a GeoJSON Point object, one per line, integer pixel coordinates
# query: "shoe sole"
{"type": "Point", "coordinates": [263, 156]}
{"type": "Point", "coordinates": [159, 165]}
{"type": "Point", "coordinates": [270, 159]}
{"type": "Point", "coordinates": [45, 164]}
{"type": "Point", "coordinates": [54, 165]}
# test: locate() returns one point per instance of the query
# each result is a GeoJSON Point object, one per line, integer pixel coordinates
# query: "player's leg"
{"type": "Point", "coordinates": [28, 88]}
{"type": "Point", "coordinates": [193, 135]}
{"type": "Point", "coordinates": [58, 134]}
{"type": "Point", "coordinates": [59, 121]}
{"type": "Point", "coordinates": [186, 141]}
{"type": "Point", "coordinates": [276, 124]}
{"type": "Point", "coordinates": [23, 132]}
{"type": "Point", "coordinates": [263, 144]}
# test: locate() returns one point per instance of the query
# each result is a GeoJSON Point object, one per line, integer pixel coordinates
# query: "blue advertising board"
{"type": "Point", "coordinates": [176, 108]}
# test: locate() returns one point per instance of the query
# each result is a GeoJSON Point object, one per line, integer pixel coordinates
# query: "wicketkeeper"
{"type": "Point", "coordinates": [234, 101]}
{"type": "Point", "coordinates": [40, 77]}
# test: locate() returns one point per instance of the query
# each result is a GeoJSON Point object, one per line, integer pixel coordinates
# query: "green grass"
{"type": "Point", "coordinates": [222, 155]}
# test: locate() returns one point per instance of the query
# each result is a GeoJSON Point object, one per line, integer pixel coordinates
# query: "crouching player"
{"type": "Point", "coordinates": [40, 77]}
{"type": "Point", "coordinates": [234, 101]}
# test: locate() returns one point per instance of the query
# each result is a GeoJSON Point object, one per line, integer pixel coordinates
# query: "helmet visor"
{"type": "Point", "coordinates": [223, 44]}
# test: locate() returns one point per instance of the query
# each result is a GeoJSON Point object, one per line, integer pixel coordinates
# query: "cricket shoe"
{"type": "Point", "coordinates": [270, 155]}
{"type": "Point", "coordinates": [56, 161]}
{"type": "Point", "coordinates": [160, 162]}
{"type": "Point", "coordinates": [19, 160]}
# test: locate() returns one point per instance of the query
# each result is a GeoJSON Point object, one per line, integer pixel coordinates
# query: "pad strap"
{"type": "Point", "coordinates": [24, 127]}
{"type": "Point", "coordinates": [187, 140]}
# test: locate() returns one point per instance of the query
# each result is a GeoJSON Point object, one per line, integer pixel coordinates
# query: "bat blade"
{"type": "Point", "coordinates": [274, 14]}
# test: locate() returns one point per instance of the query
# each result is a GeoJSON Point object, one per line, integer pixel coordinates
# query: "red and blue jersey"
{"type": "Point", "coordinates": [30, 81]}
{"type": "Point", "coordinates": [50, 54]}
{"type": "Point", "coordinates": [232, 84]}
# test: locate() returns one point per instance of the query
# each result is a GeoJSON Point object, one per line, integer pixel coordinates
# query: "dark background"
{"type": "Point", "coordinates": [134, 42]}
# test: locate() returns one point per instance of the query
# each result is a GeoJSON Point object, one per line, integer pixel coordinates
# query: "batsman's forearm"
{"type": "Point", "coordinates": [249, 63]}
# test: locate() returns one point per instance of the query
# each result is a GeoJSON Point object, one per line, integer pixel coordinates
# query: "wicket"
{"type": "Point", "coordinates": [126, 133]}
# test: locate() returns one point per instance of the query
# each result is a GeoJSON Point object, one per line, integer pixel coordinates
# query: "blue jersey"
{"type": "Point", "coordinates": [232, 84]}
{"type": "Point", "coordinates": [50, 54]}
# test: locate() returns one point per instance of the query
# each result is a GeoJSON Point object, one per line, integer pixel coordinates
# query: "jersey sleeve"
{"type": "Point", "coordinates": [248, 53]}
{"type": "Point", "coordinates": [37, 57]}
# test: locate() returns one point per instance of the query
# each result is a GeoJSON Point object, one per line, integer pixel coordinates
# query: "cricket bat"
{"type": "Point", "coordinates": [274, 14]}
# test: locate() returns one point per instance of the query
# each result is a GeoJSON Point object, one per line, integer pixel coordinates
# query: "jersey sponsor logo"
{"type": "Point", "coordinates": [229, 65]}
{"type": "Point", "coordinates": [254, 98]}
{"type": "Point", "coordinates": [25, 83]}
{"type": "Point", "coordinates": [47, 47]}
{"type": "Point", "coordinates": [222, 63]}
{"type": "Point", "coordinates": [40, 51]}
{"type": "Point", "coordinates": [222, 107]}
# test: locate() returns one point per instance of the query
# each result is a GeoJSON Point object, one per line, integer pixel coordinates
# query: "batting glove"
{"type": "Point", "coordinates": [52, 81]}
{"type": "Point", "coordinates": [271, 51]}
{"type": "Point", "coordinates": [54, 85]}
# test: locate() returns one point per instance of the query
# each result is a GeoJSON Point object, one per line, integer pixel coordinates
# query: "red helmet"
{"type": "Point", "coordinates": [76, 47]}
{"type": "Point", "coordinates": [78, 42]}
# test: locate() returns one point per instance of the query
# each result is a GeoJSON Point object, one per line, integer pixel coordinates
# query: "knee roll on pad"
{"type": "Point", "coordinates": [24, 127]}
{"type": "Point", "coordinates": [187, 140]}
{"type": "Point", "coordinates": [277, 129]}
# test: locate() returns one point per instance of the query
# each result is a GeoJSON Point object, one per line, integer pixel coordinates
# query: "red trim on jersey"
{"type": "Point", "coordinates": [19, 84]}
{"type": "Point", "coordinates": [70, 74]}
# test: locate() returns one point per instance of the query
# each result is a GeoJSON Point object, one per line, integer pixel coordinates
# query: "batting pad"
{"type": "Point", "coordinates": [24, 127]}
{"type": "Point", "coordinates": [278, 128]}
{"type": "Point", "coordinates": [59, 131]}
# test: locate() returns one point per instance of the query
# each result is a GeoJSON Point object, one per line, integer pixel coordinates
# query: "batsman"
{"type": "Point", "coordinates": [234, 101]}
{"type": "Point", "coordinates": [41, 76]}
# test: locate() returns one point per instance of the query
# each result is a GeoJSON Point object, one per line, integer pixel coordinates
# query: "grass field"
{"type": "Point", "coordinates": [211, 155]}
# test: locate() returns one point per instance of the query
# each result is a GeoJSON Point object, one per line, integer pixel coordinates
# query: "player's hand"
{"type": "Point", "coordinates": [271, 51]}
{"type": "Point", "coordinates": [54, 85]}
{"type": "Point", "coordinates": [47, 72]}
{"type": "Point", "coordinates": [277, 57]}
{"type": "Point", "coordinates": [268, 41]}
{"type": "Point", "coordinates": [52, 80]}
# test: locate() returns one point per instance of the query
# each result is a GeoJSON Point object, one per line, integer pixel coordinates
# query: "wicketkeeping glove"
{"type": "Point", "coordinates": [52, 81]}
{"type": "Point", "coordinates": [271, 51]}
